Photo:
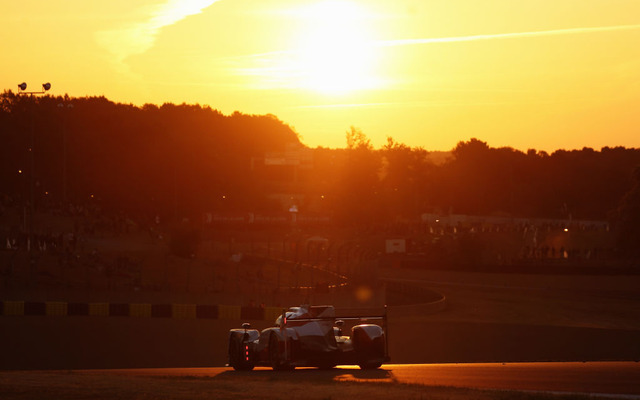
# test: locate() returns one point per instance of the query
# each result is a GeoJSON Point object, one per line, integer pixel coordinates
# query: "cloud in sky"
{"type": "Point", "coordinates": [138, 37]}
{"type": "Point", "coordinates": [514, 35]}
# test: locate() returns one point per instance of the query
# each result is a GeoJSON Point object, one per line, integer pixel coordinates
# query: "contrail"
{"type": "Point", "coordinates": [554, 32]}
{"type": "Point", "coordinates": [470, 38]}
{"type": "Point", "coordinates": [139, 37]}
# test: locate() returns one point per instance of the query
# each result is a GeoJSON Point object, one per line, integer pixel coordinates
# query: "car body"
{"type": "Point", "coordinates": [310, 336]}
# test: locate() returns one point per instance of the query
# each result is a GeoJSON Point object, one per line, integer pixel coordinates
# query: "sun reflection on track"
{"type": "Point", "coordinates": [351, 373]}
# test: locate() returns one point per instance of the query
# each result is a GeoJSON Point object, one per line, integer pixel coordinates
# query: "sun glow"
{"type": "Point", "coordinates": [332, 52]}
{"type": "Point", "coordinates": [335, 54]}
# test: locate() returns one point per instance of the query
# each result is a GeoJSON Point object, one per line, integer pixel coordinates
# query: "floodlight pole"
{"type": "Point", "coordinates": [61, 106]}
{"type": "Point", "coordinates": [30, 242]}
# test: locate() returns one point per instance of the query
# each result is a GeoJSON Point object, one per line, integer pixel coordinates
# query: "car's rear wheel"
{"type": "Point", "coordinates": [276, 358]}
{"type": "Point", "coordinates": [370, 351]}
{"type": "Point", "coordinates": [237, 355]}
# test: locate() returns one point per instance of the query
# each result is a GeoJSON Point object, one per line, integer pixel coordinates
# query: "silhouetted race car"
{"type": "Point", "coordinates": [310, 336]}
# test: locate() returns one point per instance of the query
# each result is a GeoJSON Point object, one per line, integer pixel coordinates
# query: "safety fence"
{"type": "Point", "coordinates": [137, 310]}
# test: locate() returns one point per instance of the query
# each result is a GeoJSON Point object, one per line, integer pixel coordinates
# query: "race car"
{"type": "Point", "coordinates": [310, 336]}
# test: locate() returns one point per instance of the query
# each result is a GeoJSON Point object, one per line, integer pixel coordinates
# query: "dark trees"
{"type": "Point", "coordinates": [357, 192]}
{"type": "Point", "coordinates": [172, 159]}
{"type": "Point", "coordinates": [181, 160]}
{"type": "Point", "coordinates": [627, 219]}
{"type": "Point", "coordinates": [583, 184]}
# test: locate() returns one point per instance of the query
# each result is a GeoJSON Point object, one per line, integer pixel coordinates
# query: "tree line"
{"type": "Point", "coordinates": [168, 159]}
{"type": "Point", "coordinates": [178, 160]}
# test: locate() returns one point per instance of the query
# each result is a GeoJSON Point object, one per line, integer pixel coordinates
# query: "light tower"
{"type": "Point", "coordinates": [22, 91]}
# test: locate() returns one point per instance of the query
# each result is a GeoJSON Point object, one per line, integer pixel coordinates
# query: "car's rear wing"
{"type": "Point", "coordinates": [383, 318]}
{"type": "Point", "coordinates": [356, 317]}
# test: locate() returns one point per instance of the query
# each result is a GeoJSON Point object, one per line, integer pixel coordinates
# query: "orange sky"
{"type": "Point", "coordinates": [528, 74]}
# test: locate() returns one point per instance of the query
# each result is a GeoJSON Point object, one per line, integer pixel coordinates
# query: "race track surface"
{"type": "Point", "coordinates": [619, 379]}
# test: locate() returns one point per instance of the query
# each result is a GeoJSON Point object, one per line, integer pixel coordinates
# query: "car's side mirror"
{"type": "Point", "coordinates": [246, 325]}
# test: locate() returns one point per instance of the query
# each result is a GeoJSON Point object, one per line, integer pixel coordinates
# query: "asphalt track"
{"type": "Point", "coordinates": [615, 379]}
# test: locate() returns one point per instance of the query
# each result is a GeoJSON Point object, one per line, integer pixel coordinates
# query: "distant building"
{"type": "Point", "coordinates": [280, 173]}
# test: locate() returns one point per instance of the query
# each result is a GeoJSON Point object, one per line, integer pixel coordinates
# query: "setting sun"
{"type": "Point", "coordinates": [334, 52]}
{"type": "Point", "coordinates": [330, 50]}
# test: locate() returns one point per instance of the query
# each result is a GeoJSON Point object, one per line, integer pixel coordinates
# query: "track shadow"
{"type": "Point", "coordinates": [315, 375]}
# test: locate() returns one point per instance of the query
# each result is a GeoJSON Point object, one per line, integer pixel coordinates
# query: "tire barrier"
{"type": "Point", "coordinates": [77, 309]}
{"type": "Point", "coordinates": [12, 308]}
{"type": "Point", "coordinates": [425, 302]}
{"type": "Point", "coordinates": [99, 309]}
{"type": "Point", "coordinates": [119, 310]}
{"type": "Point", "coordinates": [229, 312]}
{"type": "Point", "coordinates": [35, 308]}
{"type": "Point", "coordinates": [251, 313]}
{"type": "Point", "coordinates": [56, 308]}
{"type": "Point", "coordinates": [161, 311]}
{"type": "Point", "coordinates": [138, 310]}
{"type": "Point", "coordinates": [206, 311]}
{"type": "Point", "coordinates": [184, 311]}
